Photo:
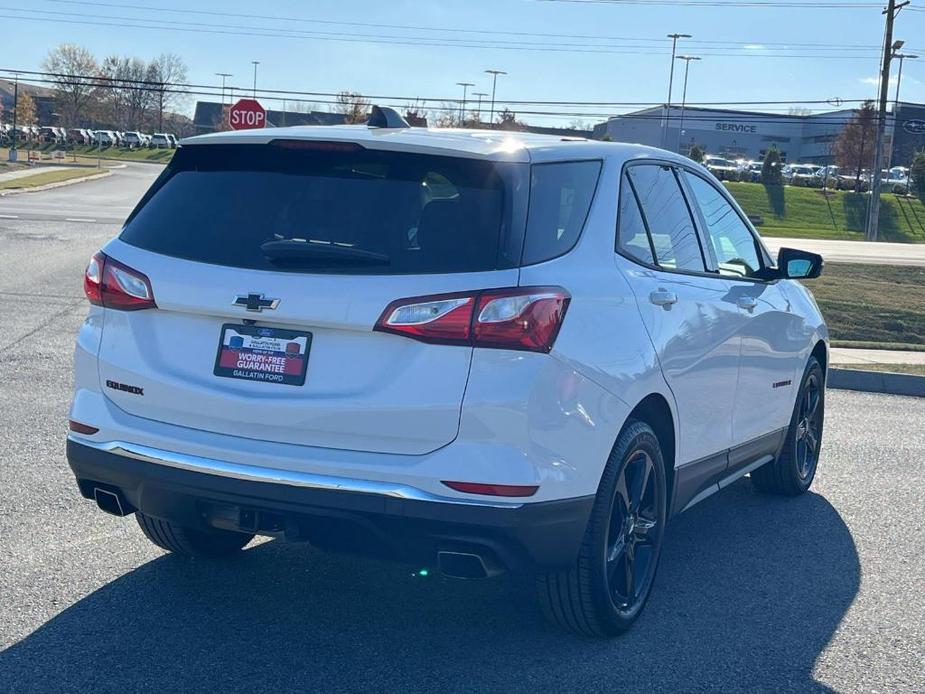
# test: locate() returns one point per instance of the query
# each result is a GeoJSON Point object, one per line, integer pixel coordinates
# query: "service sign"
{"type": "Point", "coordinates": [268, 355]}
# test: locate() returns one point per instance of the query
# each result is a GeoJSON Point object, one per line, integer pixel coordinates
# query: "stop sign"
{"type": "Point", "coordinates": [247, 114]}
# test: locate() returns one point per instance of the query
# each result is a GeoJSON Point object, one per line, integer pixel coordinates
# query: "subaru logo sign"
{"type": "Point", "coordinates": [914, 127]}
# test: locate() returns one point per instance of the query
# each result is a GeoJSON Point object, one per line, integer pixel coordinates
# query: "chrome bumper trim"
{"type": "Point", "coordinates": [253, 473]}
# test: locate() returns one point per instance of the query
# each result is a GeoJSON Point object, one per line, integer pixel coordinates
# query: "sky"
{"type": "Point", "coordinates": [552, 50]}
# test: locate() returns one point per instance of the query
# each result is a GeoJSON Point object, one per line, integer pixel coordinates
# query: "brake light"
{"type": "Point", "coordinates": [112, 284]}
{"type": "Point", "coordinates": [522, 318]}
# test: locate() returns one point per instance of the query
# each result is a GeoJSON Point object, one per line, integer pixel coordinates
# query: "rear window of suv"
{"type": "Point", "coordinates": [331, 207]}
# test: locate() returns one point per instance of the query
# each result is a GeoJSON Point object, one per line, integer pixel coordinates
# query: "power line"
{"type": "Point", "coordinates": [445, 29]}
{"type": "Point", "coordinates": [56, 77]}
{"type": "Point", "coordinates": [756, 51]}
{"type": "Point", "coordinates": [212, 91]}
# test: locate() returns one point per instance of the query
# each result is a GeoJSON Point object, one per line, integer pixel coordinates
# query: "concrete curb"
{"type": "Point", "coordinates": [57, 184]}
{"type": "Point", "coordinates": [876, 382]}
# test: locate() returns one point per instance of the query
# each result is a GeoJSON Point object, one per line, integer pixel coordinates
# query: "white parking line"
{"type": "Point", "coordinates": [9, 216]}
{"type": "Point", "coordinates": [78, 219]}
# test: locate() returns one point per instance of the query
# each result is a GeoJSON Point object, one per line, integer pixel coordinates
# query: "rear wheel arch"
{"type": "Point", "coordinates": [655, 411]}
{"type": "Point", "coordinates": [821, 352]}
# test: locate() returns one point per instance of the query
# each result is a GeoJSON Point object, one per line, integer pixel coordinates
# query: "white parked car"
{"type": "Point", "coordinates": [159, 140]}
{"type": "Point", "coordinates": [436, 346]}
{"type": "Point", "coordinates": [723, 169]}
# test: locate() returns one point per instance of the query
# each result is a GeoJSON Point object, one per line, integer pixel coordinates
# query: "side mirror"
{"type": "Point", "coordinates": [799, 265]}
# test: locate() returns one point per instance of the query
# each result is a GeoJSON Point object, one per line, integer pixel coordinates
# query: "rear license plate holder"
{"type": "Point", "coordinates": [265, 355]}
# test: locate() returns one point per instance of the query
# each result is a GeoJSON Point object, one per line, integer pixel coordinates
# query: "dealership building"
{"type": "Point", "coordinates": [750, 134]}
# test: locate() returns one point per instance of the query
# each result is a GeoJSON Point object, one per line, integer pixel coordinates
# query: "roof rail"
{"type": "Point", "coordinates": [385, 117]}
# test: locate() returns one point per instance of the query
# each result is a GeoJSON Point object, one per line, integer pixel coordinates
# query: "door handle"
{"type": "Point", "coordinates": [662, 297]}
{"type": "Point", "coordinates": [748, 303]}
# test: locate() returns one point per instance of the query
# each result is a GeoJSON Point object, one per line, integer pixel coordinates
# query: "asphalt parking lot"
{"type": "Point", "coordinates": [824, 592]}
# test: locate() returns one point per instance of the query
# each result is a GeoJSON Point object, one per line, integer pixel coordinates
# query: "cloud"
{"type": "Point", "coordinates": [875, 81]}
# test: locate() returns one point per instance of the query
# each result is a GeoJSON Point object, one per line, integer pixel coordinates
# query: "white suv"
{"type": "Point", "coordinates": [488, 351]}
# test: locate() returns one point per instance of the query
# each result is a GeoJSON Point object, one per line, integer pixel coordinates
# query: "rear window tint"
{"type": "Point", "coordinates": [560, 197]}
{"type": "Point", "coordinates": [334, 210]}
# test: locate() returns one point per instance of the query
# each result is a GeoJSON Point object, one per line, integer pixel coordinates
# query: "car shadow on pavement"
{"type": "Point", "coordinates": [749, 593]}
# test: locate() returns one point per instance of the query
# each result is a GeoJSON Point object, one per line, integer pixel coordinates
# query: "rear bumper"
{"type": "Point", "coordinates": [381, 523]}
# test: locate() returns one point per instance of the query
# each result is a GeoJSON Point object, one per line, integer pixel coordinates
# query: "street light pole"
{"type": "Point", "coordinates": [494, 83]}
{"type": "Point", "coordinates": [687, 68]}
{"type": "Point", "coordinates": [674, 49]}
{"type": "Point", "coordinates": [223, 75]}
{"type": "Point", "coordinates": [478, 109]}
{"type": "Point", "coordinates": [899, 77]}
{"type": "Point", "coordinates": [462, 106]}
{"type": "Point", "coordinates": [255, 63]}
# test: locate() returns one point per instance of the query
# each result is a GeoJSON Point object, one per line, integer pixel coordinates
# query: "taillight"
{"type": "Point", "coordinates": [523, 318]}
{"type": "Point", "coordinates": [112, 284]}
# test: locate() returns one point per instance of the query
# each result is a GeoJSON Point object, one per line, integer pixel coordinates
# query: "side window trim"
{"type": "Point", "coordinates": [642, 216]}
{"type": "Point", "coordinates": [673, 167]}
{"type": "Point", "coordinates": [700, 222]}
{"type": "Point", "coordinates": [724, 194]}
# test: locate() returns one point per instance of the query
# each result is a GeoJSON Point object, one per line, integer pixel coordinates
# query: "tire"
{"type": "Point", "coordinates": [793, 471]}
{"type": "Point", "coordinates": [191, 542]}
{"type": "Point", "coordinates": [593, 597]}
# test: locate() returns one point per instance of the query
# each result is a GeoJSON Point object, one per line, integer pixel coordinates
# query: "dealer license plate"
{"type": "Point", "coordinates": [269, 355]}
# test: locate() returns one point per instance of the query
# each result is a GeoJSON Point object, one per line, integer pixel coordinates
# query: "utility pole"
{"type": "Point", "coordinates": [873, 219]}
{"type": "Point", "coordinates": [255, 63]}
{"type": "Point", "coordinates": [687, 68]}
{"type": "Point", "coordinates": [494, 84]}
{"type": "Point", "coordinates": [674, 50]}
{"type": "Point", "coordinates": [462, 106]}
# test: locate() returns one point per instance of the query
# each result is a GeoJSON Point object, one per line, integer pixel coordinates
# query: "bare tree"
{"type": "Point", "coordinates": [854, 149]}
{"type": "Point", "coordinates": [167, 75]}
{"type": "Point", "coordinates": [73, 70]}
{"type": "Point", "coordinates": [353, 106]}
{"type": "Point", "coordinates": [125, 91]}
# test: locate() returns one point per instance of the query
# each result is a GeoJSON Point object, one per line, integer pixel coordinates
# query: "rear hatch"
{"type": "Point", "coordinates": [270, 264]}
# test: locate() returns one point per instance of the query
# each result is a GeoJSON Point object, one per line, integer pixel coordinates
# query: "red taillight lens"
{"type": "Point", "coordinates": [528, 318]}
{"type": "Point", "coordinates": [112, 284]}
{"type": "Point", "coordinates": [493, 489]}
{"type": "Point", "coordinates": [523, 318]}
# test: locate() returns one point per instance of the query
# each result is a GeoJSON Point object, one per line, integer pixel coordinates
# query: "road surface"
{"type": "Point", "coordinates": [819, 593]}
{"type": "Point", "coordinates": [879, 253]}
{"type": "Point", "coordinates": [106, 201]}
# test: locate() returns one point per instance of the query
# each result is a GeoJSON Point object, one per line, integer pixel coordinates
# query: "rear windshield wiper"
{"type": "Point", "coordinates": [298, 251]}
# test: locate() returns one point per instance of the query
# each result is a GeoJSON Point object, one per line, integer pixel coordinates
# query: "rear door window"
{"type": "Point", "coordinates": [560, 198]}
{"type": "Point", "coordinates": [332, 207]}
{"type": "Point", "coordinates": [668, 218]}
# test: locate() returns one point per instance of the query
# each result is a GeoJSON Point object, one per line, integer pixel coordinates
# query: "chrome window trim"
{"type": "Point", "coordinates": [291, 478]}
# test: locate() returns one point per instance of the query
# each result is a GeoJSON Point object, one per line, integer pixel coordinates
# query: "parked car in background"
{"type": "Point", "coordinates": [896, 180]}
{"type": "Point", "coordinates": [160, 140]}
{"type": "Point", "coordinates": [465, 363]}
{"type": "Point", "coordinates": [723, 169]}
{"type": "Point", "coordinates": [133, 139]}
{"type": "Point", "coordinates": [105, 138]}
{"type": "Point", "coordinates": [805, 175]}
{"type": "Point", "coordinates": [78, 136]}
{"type": "Point", "coordinates": [173, 140]}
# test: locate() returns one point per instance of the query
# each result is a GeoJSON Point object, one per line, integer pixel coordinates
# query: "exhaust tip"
{"type": "Point", "coordinates": [111, 502]}
{"type": "Point", "coordinates": [467, 565]}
